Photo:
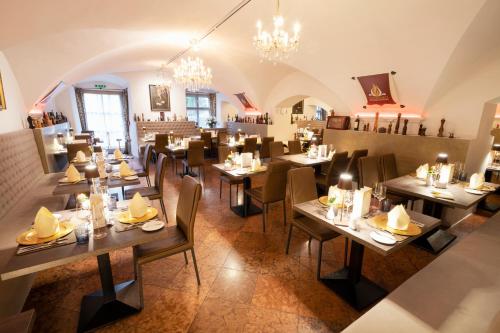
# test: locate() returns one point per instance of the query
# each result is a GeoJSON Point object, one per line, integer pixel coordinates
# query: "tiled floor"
{"type": "Point", "coordinates": [248, 283]}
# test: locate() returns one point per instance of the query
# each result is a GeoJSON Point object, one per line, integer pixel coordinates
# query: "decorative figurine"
{"type": "Point", "coordinates": [421, 130]}
{"type": "Point", "coordinates": [389, 129]}
{"type": "Point", "coordinates": [405, 126]}
{"type": "Point", "coordinates": [382, 130]}
{"type": "Point", "coordinates": [375, 123]}
{"type": "Point", "coordinates": [332, 112]}
{"type": "Point", "coordinates": [452, 135]}
{"type": "Point", "coordinates": [30, 122]}
{"type": "Point", "coordinates": [396, 129]}
{"type": "Point", "coordinates": [441, 128]}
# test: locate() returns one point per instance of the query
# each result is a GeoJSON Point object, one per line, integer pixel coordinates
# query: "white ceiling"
{"type": "Point", "coordinates": [52, 40]}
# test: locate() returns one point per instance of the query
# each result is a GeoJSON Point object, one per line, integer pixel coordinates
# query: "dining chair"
{"type": "Point", "coordinates": [264, 148]}
{"type": "Point", "coordinates": [352, 166]}
{"type": "Point", "coordinates": [177, 155]}
{"type": "Point", "coordinates": [276, 149]}
{"type": "Point", "coordinates": [146, 160]}
{"type": "Point", "coordinates": [161, 143]}
{"type": "Point", "coordinates": [153, 192]}
{"type": "Point", "coordinates": [206, 137]}
{"type": "Point", "coordinates": [223, 152]}
{"type": "Point", "coordinates": [73, 148]}
{"type": "Point", "coordinates": [221, 138]}
{"type": "Point", "coordinates": [294, 147]}
{"type": "Point", "coordinates": [250, 145]}
{"type": "Point", "coordinates": [369, 171]}
{"type": "Point", "coordinates": [179, 238]}
{"type": "Point", "coordinates": [301, 188]}
{"type": "Point", "coordinates": [273, 190]}
{"type": "Point", "coordinates": [389, 170]}
{"type": "Point", "coordinates": [337, 165]}
{"type": "Point", "coordinates": [195, 158]}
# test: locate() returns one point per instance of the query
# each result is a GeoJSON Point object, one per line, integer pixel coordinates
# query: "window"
{"type": "Point", "coordinates": [320, 113]}
{"type": "Point", "coordinates": [198, 108]}
{"type": "Point", "coordinates": [104, 113]}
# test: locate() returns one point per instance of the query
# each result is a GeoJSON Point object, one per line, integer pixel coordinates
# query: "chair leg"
{"type": "Point", "coordinates": [185, 257]}
{"type": "Point", "coordinates": [162, 204]}
{"type": "Point", "coordinates": [148, 181]}
{"type": "Point", "coordinates": [123, 192]}
{"type": "Point", "coordinates": [195, 266]}
{"type": "Point", "coordinates": [284, 213]}
{"type": "Point", "coordinates": [264, 213]}
{"type": "Point", "coordinates": [320, 254]}
{"type": "Point", "coordinates": [237, 187]}
{"type": "Point", "coordinates": [289, 238]}
{"type": "Point", "coordinates": [346, 249]}
{"type": "Point", "coordinates": [220, 188]}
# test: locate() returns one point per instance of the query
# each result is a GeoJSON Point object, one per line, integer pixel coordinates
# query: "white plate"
{"type": "Point", "coordinates": [382, 238]}
{"type": "Point", "coordinates": [473, 191]}
{"type": "Point", "coordinates": [153, 225]}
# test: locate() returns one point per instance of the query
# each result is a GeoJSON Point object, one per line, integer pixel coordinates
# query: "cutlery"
{"type": "Point", "coordinates": [51, 244]}
{"type": "Point", "coordinates": [44, 244]}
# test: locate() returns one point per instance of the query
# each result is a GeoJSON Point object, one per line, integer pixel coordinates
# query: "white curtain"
{"type": "Point", "coordinates": [104, 113]}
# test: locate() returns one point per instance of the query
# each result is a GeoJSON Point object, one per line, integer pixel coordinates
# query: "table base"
{"type": "Point", "coordinates": [251, 210]}
{"type": "Point", "coordinates": [435, 241]}
{"type": "Point", "coordinates": [358, 294]}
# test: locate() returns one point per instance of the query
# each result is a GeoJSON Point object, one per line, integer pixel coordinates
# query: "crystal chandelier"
{"type": "Point", "coordinates": [163, 78]}
{"type": "Point", "coordinates": [192, 74]}
{"type": "Point", "coordinates": [277, 45]}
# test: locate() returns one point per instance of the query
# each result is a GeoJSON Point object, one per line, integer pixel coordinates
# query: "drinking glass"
{"type": "Point", "coordinates": [348, 200]}
{"type": "Point", "coordinates": [82, 232]}
{"type": "Point", "coordinates": [380, 192]}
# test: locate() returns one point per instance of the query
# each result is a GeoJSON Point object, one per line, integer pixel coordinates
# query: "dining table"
{"type": "Point", "coordinates": [302, 160]}
{"type": "Point", "coordinates": [433, 203]}
{"type": "Point", "coordinates": [247, 208]}
{"type": "Point", "coordinates": [349, 282]}
{"type": "Point", "coordinates": [113, 301]}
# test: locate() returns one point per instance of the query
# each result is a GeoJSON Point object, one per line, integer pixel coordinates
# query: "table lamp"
{"type": "Point", "coordinates": [444, 170]}
{"type": "Point", "coordinates": [345, 184]}
{"type": "Point", "coordinates": [442, 158]}
{"type": "Point", "coordinates": [496, 149]}
{"type": "Point", "coordinates": [91, 173]}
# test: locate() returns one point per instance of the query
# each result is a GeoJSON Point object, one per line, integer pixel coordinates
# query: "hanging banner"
{"type": "Point", "coordinates": [247, 104]}
{"type": "Point", "coordinates": [377, 89]}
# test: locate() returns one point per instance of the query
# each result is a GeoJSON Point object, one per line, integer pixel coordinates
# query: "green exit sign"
{"type": "Point", "coordinates": [100, 86]}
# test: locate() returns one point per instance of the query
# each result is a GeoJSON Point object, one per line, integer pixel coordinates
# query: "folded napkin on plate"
{"type": "Point", "coordinates": [72, 174]}
{"type": "Point", "coordinates": [80, 156]}
{"type": "Point", "coordinates": [422, 171]}
{"type": "Point", "coordinates": [46, 224]}
{"type": "Point", "coordinates": [137, 206]}
{"type": "Point", "coordinates": [125, 170]}
{"type": "Point", "coordinates": [397, 218]}
{"type": "Point", "coordinates": [442, 194]}
{"type": "Point", "coordinates": [118, 154]}
{"type": "Point", "coordinates": [476, 181]}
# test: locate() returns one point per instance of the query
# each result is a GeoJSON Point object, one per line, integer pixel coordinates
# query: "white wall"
{"type": "Point", "coordinates": [12, 118]}
{"type": "Point", "coordinates": [65, 102]}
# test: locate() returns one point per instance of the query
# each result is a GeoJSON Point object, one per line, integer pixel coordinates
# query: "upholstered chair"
{"type": "Point", "coordinates": [337, 166]}
{"type": "Point", "coordinates": [352, 166]}
{"type": "Point", "coordinates": [223, 152]}
{"type": "Point", "coordinates": [276, 149]}
{"type": "Point", "coordinates": [146, 161]}
{"type": "Point", "coordinates": [264, 148]}
{"type": "Point", "coordinates": [250, 145]}
{"type": "Point", "coordinates": [195, 158]}
{"type": "Point", "coordinates": [294, 147]}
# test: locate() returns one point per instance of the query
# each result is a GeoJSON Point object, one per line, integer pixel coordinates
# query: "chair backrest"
{"type": "Point", "coordinates": [146, 158]}
{"type": "Point", "coordinates": [352, 167]}
{"type": "Point", "coordinates": [195, 153]}
{"type": "Point", "coordinates": [301, 186]}
{"type": "Point", "coordinates": [73, 148]}
{"type": "Point", "coordinates": [274, 188]}
{"type": "Point", "coordinates": [97, 149]}
{"type": "Point", "coordinates": [187, 205]}
{"type": "Point", "coordinates": [161, 167]}
{"type": "Point", "coordinates": [223, 152]}
{"type": "Point", "coordinates": [337, 166]}
{"type": "Point", "coordinates": [206, 137]}
{"type": "Point", "coordinates": [388, 167]}
{"type": "Point", "coordinates": [276, 149]}
{"type": "Point", "coordinates": [369, 171]}
{"type": "Point", "coordinates": [294, 147]}
{"type": "Point", "coordinates": [161, 143]}
{"type": "Point", "coordinates": [264, 148]}
{"type": "Point", "coordinates": [221, 137]}
{"type": "Point", "coordinates": [250, 145]}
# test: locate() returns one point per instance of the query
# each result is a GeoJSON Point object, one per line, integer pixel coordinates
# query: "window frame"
{"type": "Point", "coordinates": [198, 108]}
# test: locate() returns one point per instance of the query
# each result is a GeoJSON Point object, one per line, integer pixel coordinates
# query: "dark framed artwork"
{"type": "Point", "coordinates": [338, 122]}
{"type": "Point", "coordinates": [159, 98]}
{"type": "Point", "coordinates": [298, 108]}
{"type": "Point", "coordinates": [3, 105]}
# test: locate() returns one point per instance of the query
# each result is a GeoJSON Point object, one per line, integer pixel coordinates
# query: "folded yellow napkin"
{"type": "Point", "coordinates": [422, 171]}
{"type": "Point", "coordinates": [46, 224]}
{"type": "Point", "coordinates": [118, 154]}
{"type": "Point", "coordinates": [476, 181]}
{"type": "Point", "coordinates": [72, 174]}
{"type": "Point", "coordinates": [80, 156]}
{"type": "Point", "coordinates": [125, 170]}
{"type": "Point", "coordinates": [137, 206]}
{"type": "Point", "coordinates": [397, 218]}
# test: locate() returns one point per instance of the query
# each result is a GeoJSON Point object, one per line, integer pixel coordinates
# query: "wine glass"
{"type": "Point", "coordinates": [380, 192]}
{"type": "Point", "coordinates": [348, 200]}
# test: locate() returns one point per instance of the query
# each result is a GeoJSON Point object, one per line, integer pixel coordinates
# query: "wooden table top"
{"type": "Point", "coordinates": [304, 161]}
{"type": "Point", "coordinates": [412, 186]}
{"type": "Point", "coordinates": [84, 186]}
{"type": "Point", "coordinates": [37, 261]}
{"type": "Point", "coordinates": [238, 173]}
{"type": "Point", "coordinates": [314, 210]}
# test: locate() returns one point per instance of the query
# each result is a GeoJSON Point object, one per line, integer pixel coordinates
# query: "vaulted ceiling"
{"type": "Point", "coordinates": [428, 43]}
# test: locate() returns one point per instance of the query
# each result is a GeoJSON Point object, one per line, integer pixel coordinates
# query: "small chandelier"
{"type": "Point", "coordinates": [192, 74]}
{"type": "Point", "coordinates": [163, 78]}
{"type": "Point", "coordinates": [277, 45]}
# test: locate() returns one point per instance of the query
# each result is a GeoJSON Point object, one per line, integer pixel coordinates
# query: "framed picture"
{"type": "Point", "coordinates": [159, 97]}
{"type": "Point", "coordinates": [338, 122]}
{"type": "Point", "coordinates": [298, 108]}
{"type": "Point", "coordinates": [3, 105]}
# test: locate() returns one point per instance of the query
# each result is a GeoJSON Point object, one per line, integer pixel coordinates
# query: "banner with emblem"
{"type": "Point", "coordinates": [377, 89]}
